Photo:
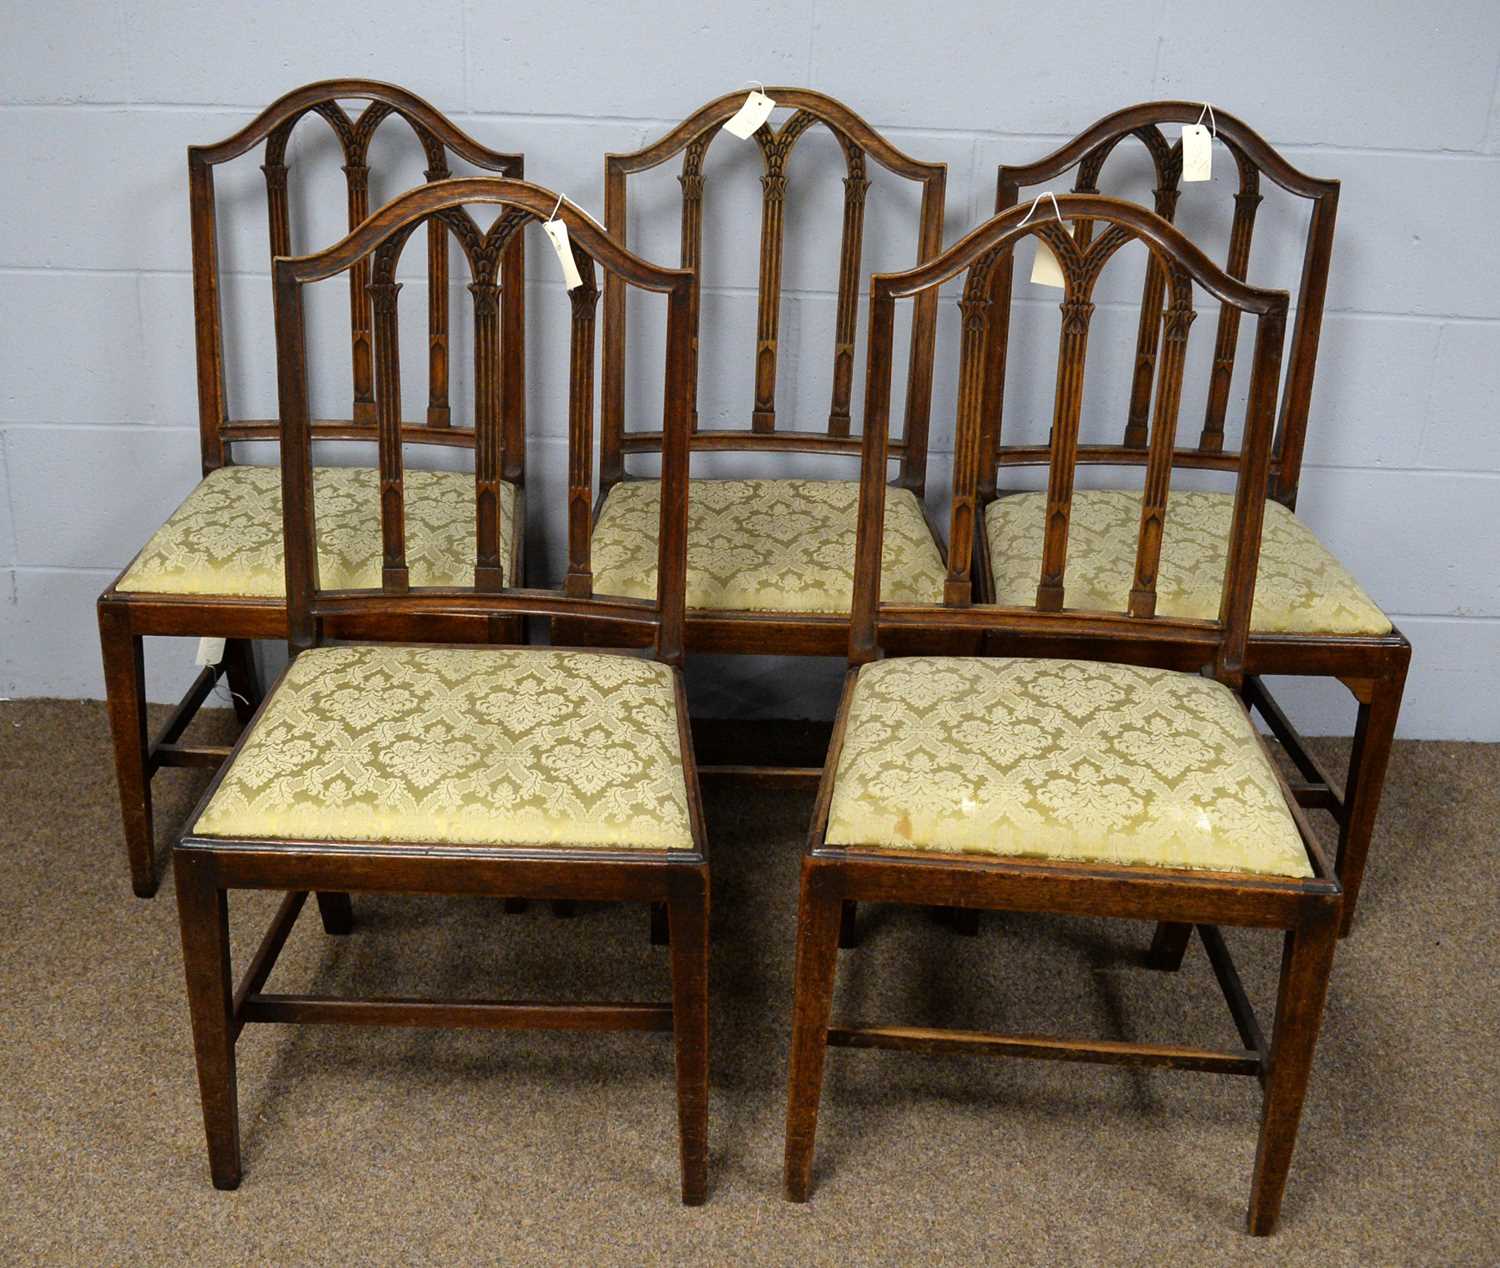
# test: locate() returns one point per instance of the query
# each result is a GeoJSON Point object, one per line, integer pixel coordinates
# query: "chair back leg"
{"type": "Point", "coordinates": [244, 683]}
{"type": "Point", "coordinates": [337, 913]}
{"type": "Point", "coordinates": [1168, 946]}
{"type": "Point", "coordinates": [1374, 733]}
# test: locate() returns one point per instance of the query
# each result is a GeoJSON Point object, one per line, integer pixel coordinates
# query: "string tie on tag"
{"type": "Point", "coordinates": [1213, 127]}
{"type": "Point", "coordinates": [1036, 202]}
{"type": "Point", "coordinates": [557, 234]}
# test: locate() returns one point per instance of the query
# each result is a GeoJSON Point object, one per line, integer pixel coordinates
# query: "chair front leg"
{"type": "Point", "coordinates": [818, 919]}
{"type": "Point", "coordinates": [1374, 733]}
{"type": "Point", "coordinates": [125, 695]}
{"type": "Point", "coordinates": [1306, 962]}
{"type": "Point", "coordinates": [203, 912]}
{"type": "Point", "coordinates": [687, 918]}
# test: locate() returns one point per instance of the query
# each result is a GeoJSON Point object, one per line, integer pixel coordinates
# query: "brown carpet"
{"type": "Point", "coordinates": [416, 1146]}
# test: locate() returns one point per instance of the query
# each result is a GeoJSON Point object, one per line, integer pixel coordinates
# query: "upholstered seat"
{"type": "Point", "coordinates": [1059, 759]}
{"type": "Point", "coordinates": [1300, 587]}
{"type": "Point", "coordinates": [765, 545]}
{"type": "Point", "coordinates": [461, 745]}
{"type": "Point", "coordinates": [225, 539]}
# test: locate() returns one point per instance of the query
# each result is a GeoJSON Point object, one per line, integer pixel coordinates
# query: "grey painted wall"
{"type": "Point", "coordinates": [1399, 101]}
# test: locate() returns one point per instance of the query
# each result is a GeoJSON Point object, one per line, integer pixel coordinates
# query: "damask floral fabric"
{"type": "Point", "coordinates": [226, 537]}
{"type": "Point", "coordinates": [1060, 759]}
{"type": "Point", "coordinates": [466, 746]}
{"type": "Point", "coordinates": [1300, 587]}
{"type": "Point", "coordinates": [765, 545]}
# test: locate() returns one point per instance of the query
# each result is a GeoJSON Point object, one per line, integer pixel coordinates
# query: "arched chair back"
{"type": "Point", "coordinates": [440, 140]}
{"type": "Point", "coordinates": [980, 256]}
{"type": "Point", "coordinates": [1255, 161]}
{"type": "Point", "coordinates": [860, 143]}
{"type": "Point", "coordinates": [374, 249]}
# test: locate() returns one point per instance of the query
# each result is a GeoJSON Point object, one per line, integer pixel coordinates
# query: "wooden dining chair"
{"type": "Point", "coordinates": [770, 561]}
{"type": "Point", "coordinates": [214, 569]}
{"type": "Point", "coordinates": [1112, 772]}
{"type": "Point", "coordinates": [1310, 618]}
{"type": "Point", "coordinates": [422, 769]}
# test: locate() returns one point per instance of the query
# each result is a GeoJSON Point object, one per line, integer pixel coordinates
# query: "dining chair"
{"type": "Point", "coordinates": [1311, 617]}
{"type": "Point", "coordinates": [1113, 771]}
{"type": "Point", "coordinates": [214, 569]}
{"type": "Point", "coordinates": [482, 770]}
{"type": "Point", "coordinates": [770, 561]}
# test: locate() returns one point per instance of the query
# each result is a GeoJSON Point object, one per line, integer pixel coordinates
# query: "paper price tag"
{"type": "Point", "coordinates": [557, 235]}
{"type": "Point", "coordinates": [756, 110]}
{"type": "Point", "coordinates": [1197, 152]}
{"type": "Point", "coordinates": [210, 651]}
{"type": "Point", "coordinates": [1045, 270]}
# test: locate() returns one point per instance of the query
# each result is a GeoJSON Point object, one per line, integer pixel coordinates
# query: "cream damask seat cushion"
{"type": "Point", "coordinates": [461, 746]}
{"type": "Point", "coordinates": [1059, 759]}
{"type": "Point", "coordinates": [765, 545]}
{"type": "Point", "coordinates": [226, 537]}
{"type": "Point", "coordinates": [1300, 587]}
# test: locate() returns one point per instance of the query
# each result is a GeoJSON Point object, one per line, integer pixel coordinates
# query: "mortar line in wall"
{"type": "Point", "coordinates": [463, 12]}
{"type": "Point", "coordinates": [1459, 472]}
{"type": "Point", "coordinates": [792, 292]}
{"type": "Point", "coordinates": [812, 41]}
{"type": "Point", "coordinates": [1428, 415]}
{"type": "Point", "coordinates": [1161, 41]}
{"type": "Point", "coordinates": [7, 501]}
{"type": "Point", "coordinates": [893, 129]}
{"type": "Point", "coordinates": [1491, 138]}
{"type": "Point", "coordinates": [154, 428]}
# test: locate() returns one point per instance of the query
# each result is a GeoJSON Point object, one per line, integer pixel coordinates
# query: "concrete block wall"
{"type": "Point", "coordinates": [97, 413]}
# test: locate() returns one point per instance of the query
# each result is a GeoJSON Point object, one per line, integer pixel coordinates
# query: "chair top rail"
{"type": "Point", "coordinates": [825, 109]}
{"type": "Point", "coordinates": [1116, 126]}
{"type": "Point", "coordinates": [422, 116]}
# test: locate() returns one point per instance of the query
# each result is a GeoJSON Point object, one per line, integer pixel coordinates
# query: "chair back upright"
{"type": "Point", "coordinates": [375, 248]}
{"type": "Point", "coordinates": [859, 143]}
{"type": "Point", "coordinates": [1254, 159]}
{"type": "Point", "coordinates": [440, 140]}
{"type": "Point", "coordinates": [1082, 257]}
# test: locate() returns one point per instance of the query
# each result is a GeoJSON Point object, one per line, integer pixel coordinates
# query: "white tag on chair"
{"type": "Point", "coordinates": [1045, 270]}
{"type": "Point", "coordinates": [756, 110]}
{"type": "Point", "coordinates": [210, 651]}
{"type": "Point", "coordinates": [1198, 147]}
{"type": "Point", "coordinates": [557, 235]}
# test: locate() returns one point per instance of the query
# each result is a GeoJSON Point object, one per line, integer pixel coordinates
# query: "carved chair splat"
{"type": "Point", "coordinates": [741, 614]}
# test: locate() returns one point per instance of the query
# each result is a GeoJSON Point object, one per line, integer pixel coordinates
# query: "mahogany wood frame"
{"type": "Point", "coordinates": [834, 878]}
{"type": "Point", "coordinates": [758, 632]}
{"type": "Point", "coordinates": [127, 617]}
{"type": "Point", "coordinates": [207, 868]}
{"type": "Point", "coordinates": [1372, 668]}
